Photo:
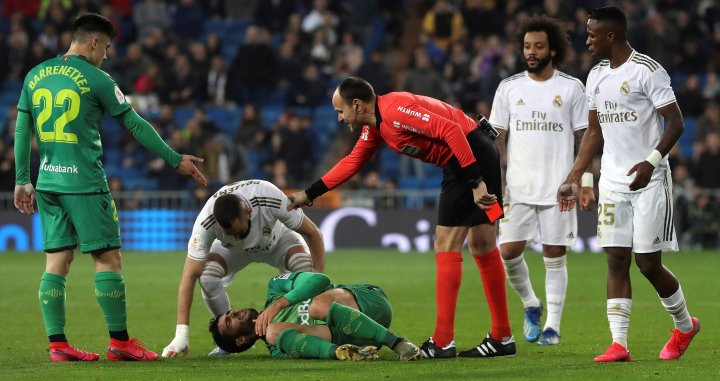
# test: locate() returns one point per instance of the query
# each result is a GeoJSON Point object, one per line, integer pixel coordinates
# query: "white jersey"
{"type": "Point", "coordinates": [626, 99]}
{"type": "Point", "coordinates": [269, 214]}
{"type": "Point", "coordinates": [541, 118]}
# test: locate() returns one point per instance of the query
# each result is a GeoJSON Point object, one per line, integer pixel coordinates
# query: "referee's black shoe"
{"type": "Point", "coordinates": [492, 348]}
{"type": "Point", "coordinates": [428, 349]}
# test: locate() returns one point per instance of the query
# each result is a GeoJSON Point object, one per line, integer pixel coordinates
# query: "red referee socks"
{"type": "Point", "coordinates": [447, 285]}
{"type": "Point", "coordinates": [492, 274]}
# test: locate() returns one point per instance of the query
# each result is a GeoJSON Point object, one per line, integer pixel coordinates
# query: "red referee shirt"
{"type": "Point", "coordinates": [415, 125]}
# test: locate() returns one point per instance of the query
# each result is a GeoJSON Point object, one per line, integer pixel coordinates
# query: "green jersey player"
{"type": "Point", "coordinates": [63, 99]}
{"type": "Point", "coordinates": [306, 316]}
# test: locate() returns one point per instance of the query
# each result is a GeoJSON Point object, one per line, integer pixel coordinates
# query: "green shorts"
{"type": "Point", "coordinates": [69, 219]}
{"type": "Point", "coordinates": [372, 302]}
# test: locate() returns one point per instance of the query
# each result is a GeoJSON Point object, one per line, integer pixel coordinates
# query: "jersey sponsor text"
{"type": "Point", "coordinates": [59, 168]}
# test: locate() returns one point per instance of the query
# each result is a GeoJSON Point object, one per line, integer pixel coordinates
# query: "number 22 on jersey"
{"type": "Point", "coordinates": [42, 97]}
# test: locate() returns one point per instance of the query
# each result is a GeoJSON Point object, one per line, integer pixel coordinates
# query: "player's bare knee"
{"type": "Point", "coordinates": [553, 251]}
{"type": "Point", "coordinates": [446, 243]}
{"type": "Point", "coordinates": [618, 262]}
{"type": "Point", "coordinates": [108, 260]}
{"type": "Point", "coordinates": [480, 247]}
{"type": "Point", "coordinates": [650, 265]}
{"type": "Point", "coordinates": [480, 244]}
{"type": "Point", "coordinates": [211, 277]}
{"type": "Point", "coordinates": [320, 305]}
{"type": "Point", "coordinates": [215, 257]}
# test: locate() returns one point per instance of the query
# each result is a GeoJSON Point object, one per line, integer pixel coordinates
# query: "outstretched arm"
{"type": "Point", "coordinates": [149, 138]}
{"type": "Point", "coordinates": [365, 149]}
{"type": "Point", "coordinates": [191, 272]}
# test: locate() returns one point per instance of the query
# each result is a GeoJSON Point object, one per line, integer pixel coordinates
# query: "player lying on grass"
{"type": "Point", "coordinates": [242, 223]}
{"type": "Point", "coordinates": [306, 316]}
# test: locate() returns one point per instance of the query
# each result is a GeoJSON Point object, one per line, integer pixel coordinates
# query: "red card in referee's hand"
{"type": "Point", "coordinates": [494, 212]}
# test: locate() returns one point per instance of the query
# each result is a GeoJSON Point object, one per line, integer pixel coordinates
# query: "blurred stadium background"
{"type": "Point", "coordinates": [246, 85]}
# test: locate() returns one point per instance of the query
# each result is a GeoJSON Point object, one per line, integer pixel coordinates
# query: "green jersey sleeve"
{"type": "Point", "coordinates": [23, 124]}
{"type": "Point", "coordinates": [23, 104]}
{"type": "Point", "coordinates": [296, 287]}
{"type": "Point", "coordinates": [111, 97]}
{"type": "Point", "coordinates": [148, 137]}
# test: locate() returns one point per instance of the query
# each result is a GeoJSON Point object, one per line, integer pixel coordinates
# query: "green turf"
{"type": "Point", "coordinates": [152, 281]}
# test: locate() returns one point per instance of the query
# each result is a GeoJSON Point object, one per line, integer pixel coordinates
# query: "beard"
{"type": "Point", "coordinates": [248, 230]}
{"type": "Point", "coordinates": [541, 64]}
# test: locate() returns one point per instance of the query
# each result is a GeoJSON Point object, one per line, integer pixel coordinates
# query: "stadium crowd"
{"type": "Point", "coordinates": [246, 84]}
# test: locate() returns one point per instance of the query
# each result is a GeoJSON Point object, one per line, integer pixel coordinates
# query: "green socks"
{"type": "Point", "coordinates": [356, 324]}
{"type": "Point", "coordinates": [306, 346]}
{"type": "Point", "coordinates": [110, 294]}
{"type": "Point", "coordinates": [52, 303]}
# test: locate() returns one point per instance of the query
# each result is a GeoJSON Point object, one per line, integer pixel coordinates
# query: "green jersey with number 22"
{"type": "Point", "coordinates": [67, 97]}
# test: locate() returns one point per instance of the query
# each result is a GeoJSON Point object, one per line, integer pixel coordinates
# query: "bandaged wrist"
{"type": "Point", "coordinates": [654, 158]}
{"type": "Point", "coordinates": [587, 180]}
{"type": "Point", "coordinates": [181, 330]}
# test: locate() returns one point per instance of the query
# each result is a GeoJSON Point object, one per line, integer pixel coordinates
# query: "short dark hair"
{"type": "Point", "coordinates": [227, 208]}
{"type": "Point", "coordinates": [558, 39]}
{"type": "Point", "coordinates": [226, 343]}
{"type": "Point", "coordinates": [356, 87]}
{"type": "Point", "coordinates": [87, 23]}
{"type": "Point", "coordinates": [613, 15]}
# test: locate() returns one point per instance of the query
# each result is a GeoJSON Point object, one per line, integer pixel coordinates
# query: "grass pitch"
{"type": "Point", "coordinates": [408, 279]}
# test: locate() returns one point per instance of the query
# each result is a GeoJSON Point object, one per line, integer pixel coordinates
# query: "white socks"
{"type": "Point", "coordinates": [618, 313]}
{"type": "Point", "coordinates": [519, 279]}
{"type": "Point", "coordinates": [556, 280]}
{"type": "Point", "coordinates": [675, 306]}
{"type": "Point", "coordinates": [213, 292]}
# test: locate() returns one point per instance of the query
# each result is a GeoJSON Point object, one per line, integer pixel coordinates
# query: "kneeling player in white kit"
{"type": "Point", "coordinates": [242, 223]}
{"type": "Point", "coordinates": [629, 95]}
{"type": "Point", "coordinates": [541, 112]}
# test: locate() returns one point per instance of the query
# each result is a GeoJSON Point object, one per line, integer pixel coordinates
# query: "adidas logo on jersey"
{"type": "Point", "coordinates": [656, 241]}
{"type": "Point", "coordinates": [520, 103]}
{"type": "Point", "coordinates": [571, 235]}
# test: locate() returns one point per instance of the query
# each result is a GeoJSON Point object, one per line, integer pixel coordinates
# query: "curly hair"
{"type": "Point", "coordinates": [558, 39]}
{"type": "Point", "coordinates": [225, 343]}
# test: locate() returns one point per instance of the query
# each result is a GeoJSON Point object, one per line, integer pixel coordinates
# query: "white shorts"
{"type": "Point", "coordinates": [237, 259]}
{"type": "Point", "coordinates": [522, 222]}
{"type": "Point", "coordinates": [642, 221]}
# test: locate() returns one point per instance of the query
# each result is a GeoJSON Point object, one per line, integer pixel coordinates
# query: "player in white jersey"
{"type": "Point", "coordinates": [541, 112]}
{"type": "Point", "coordinates": [242, 223]}
{"type": "Point", "coordinates": [629, 96]}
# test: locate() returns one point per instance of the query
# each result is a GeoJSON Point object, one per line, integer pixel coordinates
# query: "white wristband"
{"type": "Point", "coordinates": [654, 158]}
{"type": "Point", "coordinates": [181, 330]}
{"type": "Point", "coordinates": [587, 180]}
